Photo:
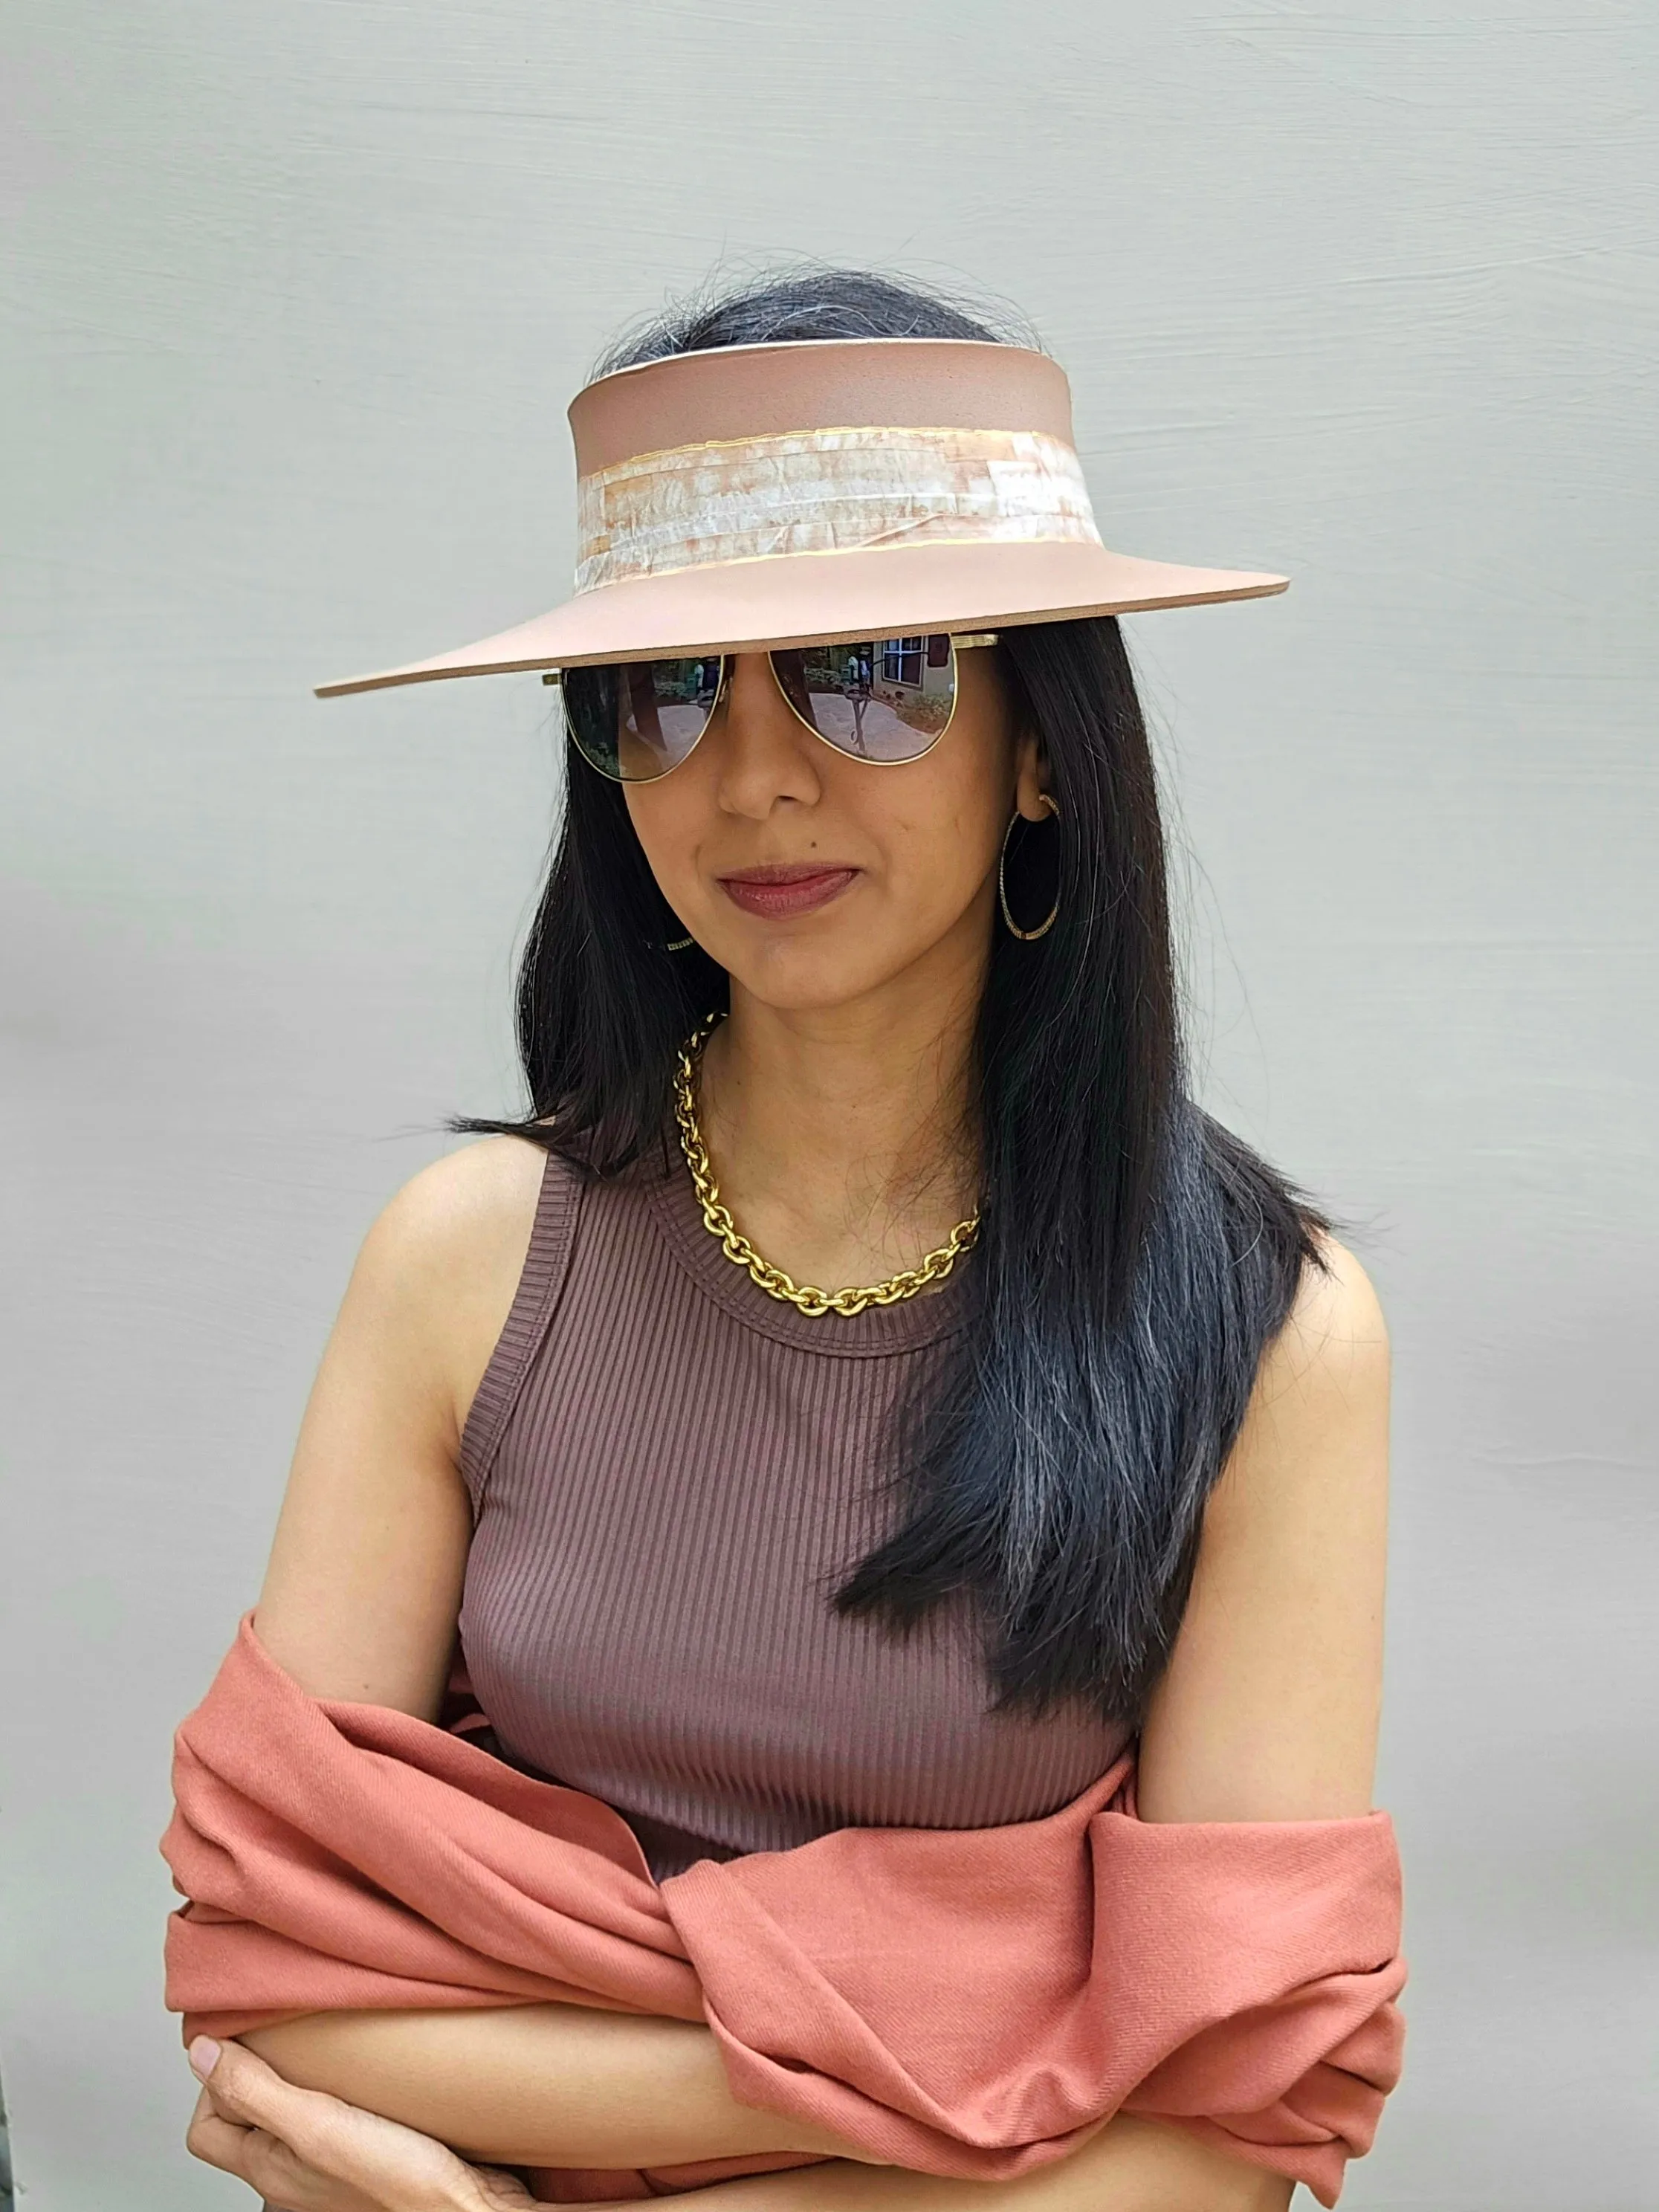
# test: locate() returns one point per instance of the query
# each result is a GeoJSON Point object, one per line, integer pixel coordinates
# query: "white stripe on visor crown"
{"type": "Point", "coordinates": [827, 491]}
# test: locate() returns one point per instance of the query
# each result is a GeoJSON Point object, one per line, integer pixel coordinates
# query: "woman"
{"type": "Point", "coordinates": [853, 970]}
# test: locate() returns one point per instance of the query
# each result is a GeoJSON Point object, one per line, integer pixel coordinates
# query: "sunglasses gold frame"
{"type": "Point", "coordinates": [966, 642]}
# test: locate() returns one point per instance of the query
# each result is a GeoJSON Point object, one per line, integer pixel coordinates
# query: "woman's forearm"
{"type": "Point", "coordinates": [537, 2085]}
{"type": "Point", "coordinates": [560, 2085]}
{"type": "Point", "coordinates": [1131, 2166]}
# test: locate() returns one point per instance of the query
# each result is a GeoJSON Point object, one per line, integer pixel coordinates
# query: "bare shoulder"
{"type": "Point", "coordinates": [1337, 1308]}
{"type": "Point", "coordinates": [440, 1266]}
{"type": "Point", "coordinates": [1269, 1707]}
{"type": "Point", "coordinates": [465, 1218]}
{"type": "Point", "coordinates": [480, 1188]}
{"type": "Point", "coordinates": [480, 1191]}
{"type": "Point", "coordinates": [363, 1589]}
{"type": "Point", "coordinates": [1331, 1360]}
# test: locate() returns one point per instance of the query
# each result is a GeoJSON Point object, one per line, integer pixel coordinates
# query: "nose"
{"type": "Point", "coordinates": [760, 752]}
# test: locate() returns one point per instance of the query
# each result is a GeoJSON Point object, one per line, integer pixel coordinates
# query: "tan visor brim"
{"type": "Point", "coordinates": [808, 598]}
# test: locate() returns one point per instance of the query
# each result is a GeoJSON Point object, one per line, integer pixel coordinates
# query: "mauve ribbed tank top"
{"type": "Point", "coordinates": [670, 1471]}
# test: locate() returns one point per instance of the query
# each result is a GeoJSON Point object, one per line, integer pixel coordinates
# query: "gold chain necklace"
{"type": "Point", "coordinates": [717, 1218]}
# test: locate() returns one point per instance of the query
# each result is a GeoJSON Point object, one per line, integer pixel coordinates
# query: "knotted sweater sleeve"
{"type": "Point", "coordinates": [972, 2002]}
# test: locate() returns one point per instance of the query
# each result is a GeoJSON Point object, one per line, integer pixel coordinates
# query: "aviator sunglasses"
{"type": "Point", "coordinates": [886, 700]}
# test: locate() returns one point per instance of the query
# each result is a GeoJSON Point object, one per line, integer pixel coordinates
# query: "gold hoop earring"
{"type": "Point", "coordinates": [1051, 808]}
{"type": "Point", "coordinates": [677, 944]}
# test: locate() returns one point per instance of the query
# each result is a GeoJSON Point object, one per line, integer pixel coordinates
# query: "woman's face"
{"type": "Point", "coordinates": [815, 879]}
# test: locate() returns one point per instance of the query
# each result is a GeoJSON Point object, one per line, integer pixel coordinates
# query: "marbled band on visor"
{"type": "Point", "coordinates": [826, 491]}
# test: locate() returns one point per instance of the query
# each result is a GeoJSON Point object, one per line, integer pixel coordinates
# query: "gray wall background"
{"type": "Point", "coordinates": [294, 297]}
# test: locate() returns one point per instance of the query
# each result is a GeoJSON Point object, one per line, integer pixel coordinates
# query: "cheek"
{"type": "Point", "coordinates": [667, 827]}
{"type": "Point", "coordinates": [942, 852]}
{"type": "Point", "coordinates": [953, 825]}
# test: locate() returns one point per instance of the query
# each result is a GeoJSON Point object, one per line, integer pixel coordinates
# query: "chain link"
{"type": "Point", "coordinates": [933, 1267]}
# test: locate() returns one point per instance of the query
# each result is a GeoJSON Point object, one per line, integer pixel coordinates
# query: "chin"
{"type": "Point", "coordinates": [803, 982]}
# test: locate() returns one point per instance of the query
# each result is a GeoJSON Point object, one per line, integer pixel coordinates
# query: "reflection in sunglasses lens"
{"type": "Point", "coordinates": [880, 699]}
{"type": "Point", "coordinates": [877, 699]}
{"type": "Point", "coordinates": [636, 720]}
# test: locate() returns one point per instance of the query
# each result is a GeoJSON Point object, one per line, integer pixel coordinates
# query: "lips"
{"type": "Point", "coordinates": [775, 893]}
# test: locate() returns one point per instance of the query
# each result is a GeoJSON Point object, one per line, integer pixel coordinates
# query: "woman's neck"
{"type": "Point", "coordinates": [841, 1137]}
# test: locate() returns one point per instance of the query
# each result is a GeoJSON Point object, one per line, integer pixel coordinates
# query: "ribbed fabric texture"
{"type": "Point", "coordinates": [671, 1472]}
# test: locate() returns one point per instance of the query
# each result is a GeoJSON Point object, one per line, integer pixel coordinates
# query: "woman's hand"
{"type": "Point", "coordinates": [306, 2151]}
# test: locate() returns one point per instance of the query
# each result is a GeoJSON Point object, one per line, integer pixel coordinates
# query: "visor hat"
{"type": "Point", "coordinates": [752, 497]}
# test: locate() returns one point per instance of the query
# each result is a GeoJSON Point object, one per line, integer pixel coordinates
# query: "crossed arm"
{"type": "Point", "coordinates": [1267, 1711]}
{"type": "Point", "coordinates": [307, 2152]}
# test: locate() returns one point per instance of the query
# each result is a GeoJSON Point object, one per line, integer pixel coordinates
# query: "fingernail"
{"type": "Point", "coordinates": [203, 2056]}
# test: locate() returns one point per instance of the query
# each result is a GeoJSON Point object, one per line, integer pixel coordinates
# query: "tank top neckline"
{"type": "Point", "coordinates": [876, 1332]}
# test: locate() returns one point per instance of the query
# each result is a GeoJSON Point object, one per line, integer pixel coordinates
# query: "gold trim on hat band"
{"type": "Point", "coordinates": [827, 491]}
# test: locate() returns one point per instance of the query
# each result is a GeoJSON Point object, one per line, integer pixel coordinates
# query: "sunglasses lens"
{"type": "Point", "coordinates": [634, 721]}
{"type": "Point", "coordinates": [883, 699]}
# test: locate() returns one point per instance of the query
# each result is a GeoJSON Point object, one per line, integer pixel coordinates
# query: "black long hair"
{"type": "Point", "coordinates": [1135, 1258]}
